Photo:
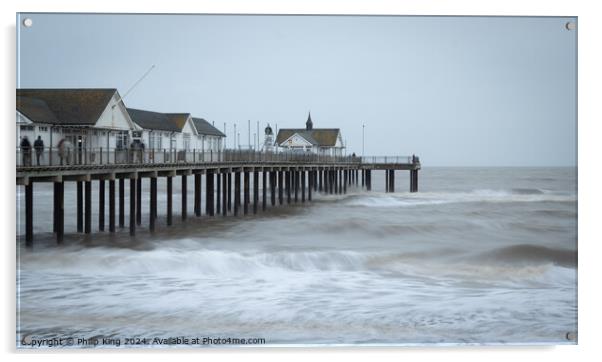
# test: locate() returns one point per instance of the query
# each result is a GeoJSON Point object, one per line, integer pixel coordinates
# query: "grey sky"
{"type": "Point", "coordinates": [473, 91]}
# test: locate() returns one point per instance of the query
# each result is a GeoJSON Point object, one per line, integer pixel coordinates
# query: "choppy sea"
{"type": "Point", "coordinates": [478, 255]}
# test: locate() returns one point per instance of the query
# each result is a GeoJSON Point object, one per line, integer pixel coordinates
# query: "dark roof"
{"type": "Point", "coordinates": [36, 110]}
{"type": "Point", "coordinates": [81, 106]}
{"type": "Point", "coordinates": [155, 120]}
{"type": "Point", "coordinates": [204, 127]}
{"type": "Point", "coordinates": [179, 119]}
{"type": "Point", "coordinates": [323, 137]}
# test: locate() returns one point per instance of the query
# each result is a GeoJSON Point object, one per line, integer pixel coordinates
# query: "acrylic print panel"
{"type": "Point", "coordinates": [235, 180]}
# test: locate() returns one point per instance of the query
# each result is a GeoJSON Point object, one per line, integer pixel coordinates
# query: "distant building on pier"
{"type": "Point", "coordinates": [323, 141]}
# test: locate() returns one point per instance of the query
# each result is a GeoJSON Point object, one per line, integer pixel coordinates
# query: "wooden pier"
{"type": "Point", "coordinates": [296, 176]}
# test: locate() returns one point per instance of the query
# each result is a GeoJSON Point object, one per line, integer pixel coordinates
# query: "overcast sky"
{"type": "Point", "coordinates": [457, 91]}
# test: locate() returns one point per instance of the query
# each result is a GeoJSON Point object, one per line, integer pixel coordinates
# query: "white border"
{"type": "Point", "coordinates": [590, 98]}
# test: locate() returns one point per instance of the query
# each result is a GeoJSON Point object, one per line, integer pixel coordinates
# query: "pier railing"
{"type": "Point", "coordinates": [390, 159]}
{"type": "Point", "coordinates": [47, 157]}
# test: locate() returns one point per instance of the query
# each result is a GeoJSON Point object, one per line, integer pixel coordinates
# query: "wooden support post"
{"type": "Point", "coordinates": [55, 207]}
{"type": "Point", "coordinates": [392, 181]}
{"type": "Point", "coordinates": [60, 225]}
{"type": "Point", "coordinates": [209, 193]}
{"type": "Point", "coordinates": [280, 187]}
{"type": "Point", "coordinates": [225, 194]}
{"type": "Point", "coordinates": [236, 192]}
{"type": "Point", "coordinates": [153, 203]}
{"type": "Point", "coordinates": [387, 179]}
{"type": "Point", "coordinates": [121, 203]}
{"type": "Point", "coordinates": [320, 173]}
{"type": "Point", "coordinates": [132, 206]}
{"type": "Point", "coordinates": [246, 193]}
{"type": "Point", "coordinates": [112, 206]}
{"type": "Point", "coordinates": [88, 207]}
{"type": "Point", "coordinates": [255, 190]}
{"type": "Point", "coordinates": [169, 200]}
{"type": "Point", "coordinates": [184, 197]}
{"type": "Point", "coordinates": [312, 184]}
{"type": "Point", "coordinates": [29, 214]}
{"type": "Point", "coordinates": [139, 201]}
{"type": "Point", "coordinates": [296, 184]}
{"type": "Point", "coordinates": [302, 185]}
{"type": "Point", "coordinates": [288, 186]}
{"type": "Point", "coordinates": [197, 194]}
{"type": "Point", "coordinates": [273, 187]}
{"type": "Point", "coordinates": [80, 206]}
{"type": "Point", "coordinates": [264, 186]}
{"type": "Point", "coordinates": [218, 202]}
{"type": "Point", "coordinates": [345, 180]}
{"type": "Point", "coordinates": [369, 180]}
{"type": "Point", "coordinates": [101, 205]}
{"type": "Point", "coordinates": [363, 178]}
{"type": "Point", "coordinates": [229, 191]}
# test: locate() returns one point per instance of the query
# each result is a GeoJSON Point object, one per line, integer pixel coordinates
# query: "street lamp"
{"type": "Point", "coordinates": [363, 127]}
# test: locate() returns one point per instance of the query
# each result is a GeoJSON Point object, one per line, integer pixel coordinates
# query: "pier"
{"type": "Point", "coordinates": [286, 177]}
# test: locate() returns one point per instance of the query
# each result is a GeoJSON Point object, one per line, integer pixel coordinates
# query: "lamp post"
{"type": "Point", "coordinates": [363, 127]}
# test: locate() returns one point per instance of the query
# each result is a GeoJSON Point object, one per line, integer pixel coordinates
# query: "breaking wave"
{"type": "Point", "coordinates": [479, 195]}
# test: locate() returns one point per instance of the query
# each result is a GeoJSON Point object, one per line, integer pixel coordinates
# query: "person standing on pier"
{"type": "Point", "coordinates": [26, 151]}
{"type": "Point", "coordinates": [38, 146]}
{"type": "Point", "coordinates": [65, 148]}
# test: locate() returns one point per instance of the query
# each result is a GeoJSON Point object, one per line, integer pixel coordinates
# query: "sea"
{"type": "Point", "coordinates": [477, 256]}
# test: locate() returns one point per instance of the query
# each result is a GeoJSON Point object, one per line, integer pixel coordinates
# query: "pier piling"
{"type": "Point", "coordinates": [60, 225]}
{"type": "Point", "coordinates": [209, 193]}
{"type": "Point", "coordinates": [225, 193]}
{"type": "Point", "coordinates": [29, 214]}
{"type": "Point", "coordinates": [139, 201]}
{"type": "Point", "coordinates": [236, 192]}
{"type": "Point", "coordinates": [229, 191]}
{"type": "Point", "coordinates": [218, 189]}
{"type": "Point", "coordinates": [88, 207]}
{"type": "Point", "coordinates": [132, 206]}
{"type": "Point", "coordinates": [197, 194]}
{"type": "Point", "coordinates": [121, 203]}
{"type": "Point", "coordinates": [281, 187]}
{"type": "Point", "coordinates": [153, 204]}
{"type": "Point", "coordinates": [80, 206]}
{"type": "Point", "coordinates": [273, 187]}
{"type": "Point", "coordinates": [255, 190]}
{"type": "Point", "coordinates": [184, 196]}
{"type": "Point", "coordinates": [246, 193]}
{"type": "Point", "coordinates": [101, 205]}
{"type": "Point", "coordinates": [169, 199]}
{"type": "Point", "coordinates": [264, 185]}
{"type": "Point", "coordinates": [112, 205]}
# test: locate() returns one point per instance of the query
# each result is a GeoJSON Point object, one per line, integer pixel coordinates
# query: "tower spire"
{"type": "Point", "coordinates": [309, 124]}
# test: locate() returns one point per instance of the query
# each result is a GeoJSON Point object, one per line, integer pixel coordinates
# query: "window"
{"type": "Point", "coordinates": [26, 128]}
{"type": "Point", "coordinates": [155, 141]}
{"type": "Point", "coordinates": [186, 141]}
{"type": "Point", "coordinates": [172, 142]}
{"type": "Point", "coordinates": [121, 140]}
{"type": "Point", "coordinates": [42, 129]}
{"type": "Point", "coordinates": [136, 134]}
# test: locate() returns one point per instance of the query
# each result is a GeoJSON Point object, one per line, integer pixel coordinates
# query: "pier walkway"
{"type": "Point", "coordinates": [284, 178]}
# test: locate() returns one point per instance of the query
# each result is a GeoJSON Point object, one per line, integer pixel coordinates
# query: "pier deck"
{"type": "Point", "coordinates": [296, 175]}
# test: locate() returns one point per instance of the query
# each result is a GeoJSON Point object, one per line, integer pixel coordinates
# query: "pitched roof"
{"type": "Point", "coordinates": [323, 137]}
{"type": "Point", "coordinates": [156, 120]}
{"type": "Point", "coordinates": [204, 127]}
{"type": "Point", "coordinates": [179, 119]}
{"type": "Point", "coordinates": [78, 106]}
{"type": "Point", "coordinates": [36, 110]}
